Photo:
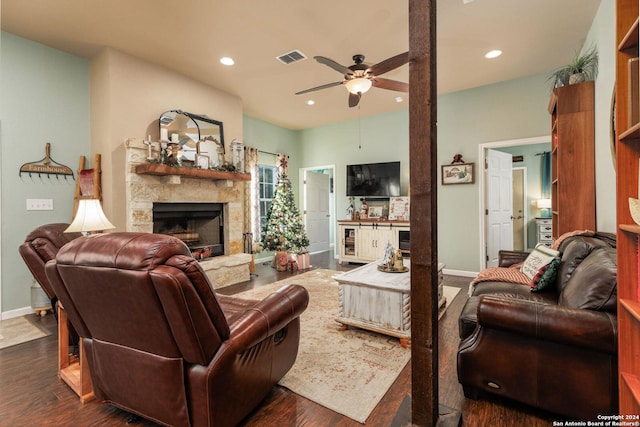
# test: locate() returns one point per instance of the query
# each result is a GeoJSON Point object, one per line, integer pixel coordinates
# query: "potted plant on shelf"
{"type": "Point", "coordinates": [581, 68]}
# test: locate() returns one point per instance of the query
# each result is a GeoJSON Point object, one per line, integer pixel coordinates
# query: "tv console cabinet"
{"type": "Point", "coordinates": [363, 241]}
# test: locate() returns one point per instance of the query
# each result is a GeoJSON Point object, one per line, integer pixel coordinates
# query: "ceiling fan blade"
{"type": "Point", "coordinates": [354, 98]}
{"type": "Point", "coordinates": [319, 87]}
{"type": "Point", "coordinates": [333, 64]}
{"type": "Point", "coordinates": [381, 83]}
{"type": "Point", "coordinates": [389, 64]}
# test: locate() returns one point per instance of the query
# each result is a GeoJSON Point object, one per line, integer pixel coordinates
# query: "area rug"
{"type": "Point", "coordinates": [18, 330]}
{"type": "Point", "coordinates": [346, 371]}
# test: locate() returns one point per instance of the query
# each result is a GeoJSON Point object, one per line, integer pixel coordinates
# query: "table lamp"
{"type": "Point", "coordinates": [545, 206]}
{"type": "Point", "coordinates": [89, 218]}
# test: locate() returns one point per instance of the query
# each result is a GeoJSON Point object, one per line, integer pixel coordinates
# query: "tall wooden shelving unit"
{"type": "Point", "coordinates": [573, 182]}
{"type": "Point", "coordinates": [627, 155]}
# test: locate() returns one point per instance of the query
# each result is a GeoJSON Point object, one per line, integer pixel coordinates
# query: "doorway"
{"type": "Point", "coordinates": [482, 190]}
{"type": "Point", "coordinates": [519, 209]}
{"type": "Point", "coordinates": [318, 207]}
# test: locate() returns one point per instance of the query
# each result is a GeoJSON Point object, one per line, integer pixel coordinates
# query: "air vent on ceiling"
{"type": "Point", "coordinates": [293, 56]}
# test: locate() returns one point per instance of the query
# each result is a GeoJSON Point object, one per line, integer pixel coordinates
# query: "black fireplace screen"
{"type": "Point", "coordinates": [199, 225]}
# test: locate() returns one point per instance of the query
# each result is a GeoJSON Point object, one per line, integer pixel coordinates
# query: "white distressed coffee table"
{"type": "Point", "coordinates": [377, 301]}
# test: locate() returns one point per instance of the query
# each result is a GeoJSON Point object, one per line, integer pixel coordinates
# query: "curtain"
{"type": "Point", "coordinates": [252, 197]}
{"type": "Point", "coordinates": [546, 175]}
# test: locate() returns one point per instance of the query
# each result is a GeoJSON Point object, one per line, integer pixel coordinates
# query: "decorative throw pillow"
{"type": "Point", "coordinates": [546, 276]}
{"type": "Point", "coordinates": [538, 258]}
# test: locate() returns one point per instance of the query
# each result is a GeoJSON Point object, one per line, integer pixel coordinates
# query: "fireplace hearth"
{"type": "Point", "coordinates": [199, 225]}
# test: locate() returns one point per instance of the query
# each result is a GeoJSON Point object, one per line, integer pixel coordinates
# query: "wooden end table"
{"type": "Point", "coordinates": [71, 369]}
{"type": "Point", "coordinates": [378, 301]}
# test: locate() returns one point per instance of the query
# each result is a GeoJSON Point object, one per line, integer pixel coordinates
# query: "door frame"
{"type": "Point", "coordinates": [525, 211]}
{"type": "Point", "coordinates": [482, 149]}
{"type": "Point", "coordinates": [332, 202]}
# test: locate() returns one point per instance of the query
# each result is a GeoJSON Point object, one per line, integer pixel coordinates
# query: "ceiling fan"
{"type": "Point", "coordinates": [360, 77]}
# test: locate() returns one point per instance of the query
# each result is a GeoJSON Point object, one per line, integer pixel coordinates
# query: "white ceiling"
{"type": "Point", "coordinates": [190, 36]}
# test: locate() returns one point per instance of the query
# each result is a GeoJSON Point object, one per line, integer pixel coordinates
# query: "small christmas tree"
{"type": "Point", "coordinates": [284, 230]}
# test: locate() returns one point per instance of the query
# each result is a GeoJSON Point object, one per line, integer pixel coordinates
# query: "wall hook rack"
{"type": "Point", "coordinates": [47, 166]}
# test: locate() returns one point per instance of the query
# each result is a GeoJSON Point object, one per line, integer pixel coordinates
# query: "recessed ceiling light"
{"type": "Point", "coordinates": [227, 61]}
{"type": "Point", "coordinates": [493, 54]}
{"type": "Point", "coordinates": [311, 102]}
{"type": "Point", "coordinates": [399, 99]}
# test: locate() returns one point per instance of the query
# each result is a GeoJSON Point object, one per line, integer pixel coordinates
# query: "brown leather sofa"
{"type": "Point", "coordinates": [160, 342]}
{"type": "Point", "coordinates": [555, 349]}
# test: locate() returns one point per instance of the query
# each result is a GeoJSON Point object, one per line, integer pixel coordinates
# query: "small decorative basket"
{"type": "Point", "coordinates": [634, 208]}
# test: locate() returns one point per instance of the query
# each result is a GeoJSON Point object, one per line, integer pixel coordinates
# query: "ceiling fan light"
{"type": "Point", "coordinates": [358, 85]}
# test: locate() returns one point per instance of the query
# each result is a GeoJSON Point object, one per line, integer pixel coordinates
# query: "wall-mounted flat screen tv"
{"type": "Point", "coordinates": [374, 179]}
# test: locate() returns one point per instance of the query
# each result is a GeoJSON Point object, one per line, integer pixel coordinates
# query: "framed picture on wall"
{"type": "Point", "coordinates": [458, 173]}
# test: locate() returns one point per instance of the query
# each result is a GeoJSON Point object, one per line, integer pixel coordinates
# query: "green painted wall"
{"type": "Point", "coordinates": [602, 34]}
{"type": "Point", "coordinates": [380, 138]}
{"type": "Point", "coordinates": [45, 98]}
{"type": "Point", "coordinates": [270, 138]}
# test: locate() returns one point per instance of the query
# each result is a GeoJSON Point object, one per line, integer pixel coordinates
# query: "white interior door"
{"type": "Point", "coordinates": [499, 205]}
{"type": "Point", "coordinates": [316, 211]}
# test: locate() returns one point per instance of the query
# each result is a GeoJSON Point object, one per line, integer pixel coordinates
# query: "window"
{"type": "Point", "coordinates": [268, 179]}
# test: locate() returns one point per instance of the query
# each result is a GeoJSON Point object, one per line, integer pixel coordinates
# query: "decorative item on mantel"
{"type": "Point", "coordinates": [237, 154]}
{"type": "Point", "coordinates": [171, 155]}
{"type": "Point", "coordinates": [149, 143]}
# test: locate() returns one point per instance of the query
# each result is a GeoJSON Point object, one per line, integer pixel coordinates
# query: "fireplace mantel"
{"type": "Point", "coordinates": [164, 170]}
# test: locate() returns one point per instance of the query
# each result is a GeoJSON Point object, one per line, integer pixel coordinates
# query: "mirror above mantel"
{"type": "Point", "coordinates": [193, 132]}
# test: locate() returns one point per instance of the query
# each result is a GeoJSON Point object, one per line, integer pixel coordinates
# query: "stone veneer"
{"type": "Point", "coordinates": [143, 190]}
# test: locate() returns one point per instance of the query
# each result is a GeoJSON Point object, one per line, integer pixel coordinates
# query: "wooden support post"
{"type": "Point", "coordinates": [423, 176]}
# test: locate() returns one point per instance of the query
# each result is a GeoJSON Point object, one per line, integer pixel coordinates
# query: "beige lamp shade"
{"type": "Point", "coordinates": [89, 217]}
{"type": "Point", "coordinates": [543, 203]}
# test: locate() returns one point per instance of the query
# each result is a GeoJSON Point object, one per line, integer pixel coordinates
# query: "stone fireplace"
{"type": "Point", "coordinates": [144, 191]}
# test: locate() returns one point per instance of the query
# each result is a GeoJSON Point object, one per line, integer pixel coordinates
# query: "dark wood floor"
{"type": "Point", "coordinates": [32, 394]}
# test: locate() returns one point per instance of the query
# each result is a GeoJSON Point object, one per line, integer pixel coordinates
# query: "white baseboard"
{"type": "Point", "coordinates": [16, 313]}
{"type": "Point", "coordinates": [462, 273]}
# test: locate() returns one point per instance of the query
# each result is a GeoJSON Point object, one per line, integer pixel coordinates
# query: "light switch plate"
{"type": "Point", "coordinates": [39, 204]}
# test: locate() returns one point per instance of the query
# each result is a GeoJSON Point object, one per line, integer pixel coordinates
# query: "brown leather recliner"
{"type": "Point", "coordinates": [160, 342]}
{"type": "Point", "coordinates": [42, 245]}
